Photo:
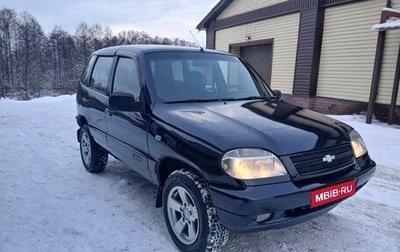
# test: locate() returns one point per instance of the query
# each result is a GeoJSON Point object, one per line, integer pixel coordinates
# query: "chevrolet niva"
{"type": "Point", "coordinates": [224, 151]}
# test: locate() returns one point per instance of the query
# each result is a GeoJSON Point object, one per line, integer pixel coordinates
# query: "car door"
{"type": "Point", "coordinates": [93, 95]}
{"type": "Point", "coordinates": [127, 131]}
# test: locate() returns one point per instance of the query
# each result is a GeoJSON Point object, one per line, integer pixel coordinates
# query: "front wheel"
{"type": "Point", "coordinates": [94, 158]}
{"type": "Point", "coordinates": [190, 216]}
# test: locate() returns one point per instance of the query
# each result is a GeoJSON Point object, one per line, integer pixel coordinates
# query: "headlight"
{"type": "Point", "coordinates": [359, 147]}
{"type": "Point", "coordinates": [252, 164]}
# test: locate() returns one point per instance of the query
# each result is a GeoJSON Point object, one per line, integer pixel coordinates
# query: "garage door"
{"type": "Point", "coordinates": [260, 57]}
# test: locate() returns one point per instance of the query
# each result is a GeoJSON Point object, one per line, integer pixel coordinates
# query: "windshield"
{"type": "Point", "coordinates": [187, 76]}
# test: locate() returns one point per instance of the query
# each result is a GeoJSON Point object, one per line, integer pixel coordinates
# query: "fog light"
{"type": "Point", "coordinates": [263, 217]}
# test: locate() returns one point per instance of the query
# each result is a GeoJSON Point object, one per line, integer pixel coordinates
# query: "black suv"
{"type": "Point", "coordinates": [225, 152]}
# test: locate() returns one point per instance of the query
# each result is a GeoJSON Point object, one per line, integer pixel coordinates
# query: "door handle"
{"type": "Point", "coordinates": [85, 100]}
{"type": "Point", "coordinates": [110, 112]}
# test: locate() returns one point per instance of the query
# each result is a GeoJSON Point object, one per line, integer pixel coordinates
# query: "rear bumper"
{"type": "Point", "coordinates": [288, 204]}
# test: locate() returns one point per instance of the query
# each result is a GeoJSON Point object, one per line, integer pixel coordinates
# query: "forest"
{"type": "Point", "coordinates": [34, 64]}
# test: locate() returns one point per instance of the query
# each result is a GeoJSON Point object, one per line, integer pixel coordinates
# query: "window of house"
{"type": "Point", "coordinates": [101, 73]}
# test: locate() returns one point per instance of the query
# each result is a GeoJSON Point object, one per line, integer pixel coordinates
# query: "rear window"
{"type": "Point", "coordinates": [85, 78]}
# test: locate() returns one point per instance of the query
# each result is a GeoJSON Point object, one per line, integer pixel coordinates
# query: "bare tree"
{"type": "Point", "coordinates": [144, 38]}
{"type": "Point", "coordinates": [83, 43]}
{"type": "Point", "coordinates": [109, 39]}
{"type": "Point", "coordinates": [32, 64]}
{"type": "Point", "coordinates": [29, 55]}
{"type": "Point", "coordinates": [8, 23]}
{"type": "Point", "coordinates": [61, 54]}
{"type": "Point", "coordinates": [96, 34]}
{"type": "Point", "coordinates": [122, 39]}
{"type": "Point", "coordinates": [132, 37]}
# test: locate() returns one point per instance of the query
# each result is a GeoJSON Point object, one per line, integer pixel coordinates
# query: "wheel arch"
{"type": "Point", "coordinates": [80, 120]}
{"type": "Point", "coordinates": [168, 165]}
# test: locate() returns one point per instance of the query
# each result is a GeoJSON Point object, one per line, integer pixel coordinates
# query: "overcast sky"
{"type": "Point", "coordinates": [164, 18]}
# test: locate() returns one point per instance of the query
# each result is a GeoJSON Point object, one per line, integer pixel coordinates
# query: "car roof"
{"type": "Point", "coordinates": [154, 48]}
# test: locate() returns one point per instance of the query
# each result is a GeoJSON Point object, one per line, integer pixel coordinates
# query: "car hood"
{"type": "Point", "coordinates": [276, 126]}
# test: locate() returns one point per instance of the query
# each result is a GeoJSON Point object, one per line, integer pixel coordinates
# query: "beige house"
{"type": "Point", "coordinates": [322, 54]}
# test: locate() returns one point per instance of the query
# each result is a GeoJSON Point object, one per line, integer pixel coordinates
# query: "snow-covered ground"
{"type": "Point", "coordinates": [48, 202]}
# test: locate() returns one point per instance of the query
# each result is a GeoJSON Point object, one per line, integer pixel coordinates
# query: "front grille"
{"type": "Point", "coordinates": [311, 163]}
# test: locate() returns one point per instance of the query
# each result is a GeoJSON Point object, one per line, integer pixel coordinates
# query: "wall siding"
{"type": "Point", "coordinates": [308, 51]}
{"type": "Point", "coordinates": [348, 50]}
{"type": "Point", "coordinates": [242, 6]}
{"type": "Point", "coordinates": [284, 31]}
{"type": "Point", "coordinates": [389, 64]}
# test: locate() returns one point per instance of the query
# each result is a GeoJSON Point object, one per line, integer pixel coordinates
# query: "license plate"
{"type": "Point", "coordinates": [332, 193]}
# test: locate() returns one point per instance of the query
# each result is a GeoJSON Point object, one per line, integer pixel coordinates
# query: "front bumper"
{"type": "Point", "coordinates": [288, 203]}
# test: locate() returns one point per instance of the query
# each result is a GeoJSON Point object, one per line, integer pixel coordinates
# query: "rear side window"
{"type": "Point", "coordinates": [126, 78]}
{"type": "Point", "coordinates": [101, 73]}
{"type": "Point", "coordinates": [86, 73]}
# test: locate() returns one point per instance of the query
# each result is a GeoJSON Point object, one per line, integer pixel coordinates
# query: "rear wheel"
{"type": "Point", "coordinates": [94, 158]}
{"type": "Point", "coordinates": [190, 216]}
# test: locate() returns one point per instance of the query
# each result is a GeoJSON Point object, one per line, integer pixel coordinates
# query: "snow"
{"type": "Point", "coordinates": [389, 24]}
{"type": "Point", "coordinates": [48, 202]}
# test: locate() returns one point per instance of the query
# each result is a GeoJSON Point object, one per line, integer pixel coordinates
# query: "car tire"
{"type": "Point", "coordinates": [94, 157]}
{"type": "Point", "coordinates": [190, 215]}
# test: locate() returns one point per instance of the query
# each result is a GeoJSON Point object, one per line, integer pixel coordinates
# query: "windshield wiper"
{"type": "Point", "coordinates": [264, 98]}
{"type": "Point", "coordinates": [192, 100]}
{"type": "Point", "coordinates": [254, 97]}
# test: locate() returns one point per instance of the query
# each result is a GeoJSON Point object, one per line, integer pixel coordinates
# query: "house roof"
{"type": "Point", "coordinates": [390, 19]}
{"type": "Point", "coordinates": [213, 14]}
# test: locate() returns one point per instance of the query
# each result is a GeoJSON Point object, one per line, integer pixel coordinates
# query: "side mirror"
{"type": "Point", "coordinates": [278, 93]}
{"type": "Point", "coordinates": [123, 102]}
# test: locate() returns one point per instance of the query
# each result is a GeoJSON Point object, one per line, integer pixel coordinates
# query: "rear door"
{"type": "Point", "coordinates": [127, 131]}
{"type": "Point", "coordinates": [93, 95]}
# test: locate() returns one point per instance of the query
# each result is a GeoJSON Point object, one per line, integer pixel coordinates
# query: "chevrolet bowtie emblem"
{"type": "Point", "coordinates": [328, 158]}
